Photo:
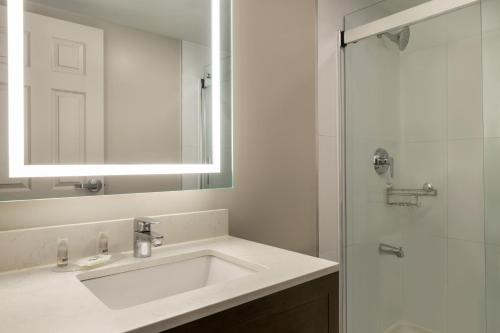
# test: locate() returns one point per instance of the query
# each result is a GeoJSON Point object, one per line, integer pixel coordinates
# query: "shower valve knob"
{"type": "Point", "coordinates": [383, 162]}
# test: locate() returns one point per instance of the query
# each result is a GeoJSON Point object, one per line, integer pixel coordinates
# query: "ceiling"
{"type": "Point", "coordinates": [181, 19]}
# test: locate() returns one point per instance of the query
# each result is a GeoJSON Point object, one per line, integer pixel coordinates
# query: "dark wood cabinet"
{"type": "Point", "coordinates": [312, 307]}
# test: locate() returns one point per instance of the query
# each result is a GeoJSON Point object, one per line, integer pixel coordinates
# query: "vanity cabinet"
{"type": "Point", "coordinates": [312, 307]}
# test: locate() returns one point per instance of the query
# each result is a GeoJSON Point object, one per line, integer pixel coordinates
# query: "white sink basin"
{"type": "Point", "coordinates": [149, 280]}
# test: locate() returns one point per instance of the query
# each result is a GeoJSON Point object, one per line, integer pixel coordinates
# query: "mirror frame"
{"type": "Point", "coordinates": [17, 166]}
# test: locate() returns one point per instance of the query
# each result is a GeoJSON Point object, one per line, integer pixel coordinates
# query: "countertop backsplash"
{"type": "Point", "coordinates": [26, 248]}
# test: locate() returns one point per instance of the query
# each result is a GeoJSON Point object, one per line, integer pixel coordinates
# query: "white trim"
{"type": "Point", "coordinates": [406, 17]}
{"type": "Point", "coordinates": [15, 54]}
{"type": "Point", "coordinates": [17, 168]}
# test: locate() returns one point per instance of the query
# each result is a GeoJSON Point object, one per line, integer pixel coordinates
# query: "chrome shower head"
{"type": "Point", "coordinates": [402, 38]}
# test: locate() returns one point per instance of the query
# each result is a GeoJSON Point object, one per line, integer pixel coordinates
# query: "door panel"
{"type": "Point", "coordinates": [64, 98]}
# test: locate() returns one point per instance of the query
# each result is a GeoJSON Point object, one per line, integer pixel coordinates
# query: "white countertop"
{"type": "Point", "coordinates": [43, 301]}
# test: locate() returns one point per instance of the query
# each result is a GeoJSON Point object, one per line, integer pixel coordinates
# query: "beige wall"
{"type": "Point", "coordinates": [143, 124]}
{"type": "Point", "coordinates": [275, 196]}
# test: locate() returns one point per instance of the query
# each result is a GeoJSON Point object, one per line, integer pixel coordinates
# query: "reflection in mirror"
{"type": "Point", "coordinates": [118, 82]}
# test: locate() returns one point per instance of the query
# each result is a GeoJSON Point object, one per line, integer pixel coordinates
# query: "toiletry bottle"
{"type": "Point", "coordinates": [62, 252]}
{"type": "Point", "coordinates": [103, 244]}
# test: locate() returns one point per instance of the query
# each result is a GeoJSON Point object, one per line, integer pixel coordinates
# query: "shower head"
{"type": "Point", "coordinates": [402, 38]}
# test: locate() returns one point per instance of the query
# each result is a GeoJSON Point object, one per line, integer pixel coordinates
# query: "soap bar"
{"type": "Point", "coordinates": [94, 261]}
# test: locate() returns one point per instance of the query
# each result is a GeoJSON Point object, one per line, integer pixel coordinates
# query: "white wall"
{"type": "Point", "coordinates": [143, 123]}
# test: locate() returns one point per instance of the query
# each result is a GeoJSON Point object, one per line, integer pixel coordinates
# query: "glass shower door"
{"type": "Point", "coordinates": [491, 86]}
{"type": "Point", "coordinates": [372, 122]}
{"type": "Point", "coordinates": [414, 243]}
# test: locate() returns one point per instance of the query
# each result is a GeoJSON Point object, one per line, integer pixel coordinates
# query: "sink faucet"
{"type": "Point", "coordinates": [144, 237]}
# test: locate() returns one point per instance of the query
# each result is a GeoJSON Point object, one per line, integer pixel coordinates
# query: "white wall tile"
{"type": "Point", "coordinates": [466, 283]}
{"type": "Point", "coordinates": [465, 94]}
{"type": "Point", "coordinates": [492, 190]}
{"type": "Point", "coordinates": [424, 94]}
{"type": "Point", "coordinates": [491, 13]}
{"type": "Point", "coordinates": [362, 296]}
{"type": "Point", "coordinates": [492, 288]}
{"type": "Point", "coordinates": [424, 281]}
{"type": "Point", "coordinates": [390, 291]}
{"type": "Point", "coordinates": [372, 83]}
{"type": "Point", "coordinates": [375, 223]}
{"type": "Point", "coordinates": [465, 190]}
{"type": "Point", "coordinates": [491, 82]}
{"type": "Point", "coordinates": [423, 162]}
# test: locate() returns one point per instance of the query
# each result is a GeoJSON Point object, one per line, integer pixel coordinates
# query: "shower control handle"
{"type": "Point", "coordinates": [383, 162]}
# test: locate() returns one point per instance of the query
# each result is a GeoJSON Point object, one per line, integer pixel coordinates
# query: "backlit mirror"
{"type": "Point", "coordinates": [110, 97]}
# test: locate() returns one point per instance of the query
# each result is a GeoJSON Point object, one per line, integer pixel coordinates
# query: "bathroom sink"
{"type": "Point", "coordinates": [142, 282]}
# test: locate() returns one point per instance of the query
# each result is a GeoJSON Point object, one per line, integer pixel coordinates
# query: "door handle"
{"type": "Point", "coordinates": [93, 185]}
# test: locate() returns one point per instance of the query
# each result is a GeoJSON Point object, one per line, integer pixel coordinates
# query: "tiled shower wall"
{"type": "Point", "coordinates": [442, 143]}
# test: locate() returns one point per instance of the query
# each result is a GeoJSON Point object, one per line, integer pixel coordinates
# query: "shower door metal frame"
{"type": "Point", "coordinates": [341, 155]}
{"type": "Point", "coordinates": [410, 16]}
{"type": "Point", "coordinates": [425, 11]}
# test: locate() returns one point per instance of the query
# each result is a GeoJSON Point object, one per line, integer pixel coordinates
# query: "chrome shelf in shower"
{"type": "Point", "coordinates": [409, 197]}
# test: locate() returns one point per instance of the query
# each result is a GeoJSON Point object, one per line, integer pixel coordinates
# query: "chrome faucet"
{"type": "Point", "coordinates": [144, 238]}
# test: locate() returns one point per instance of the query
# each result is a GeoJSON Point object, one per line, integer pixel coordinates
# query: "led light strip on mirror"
{"type": "Point", "coordinates": [16, 122]}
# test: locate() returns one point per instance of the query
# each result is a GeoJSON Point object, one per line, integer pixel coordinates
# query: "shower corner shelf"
{"type": "Point", "coordinates": [409, 197]}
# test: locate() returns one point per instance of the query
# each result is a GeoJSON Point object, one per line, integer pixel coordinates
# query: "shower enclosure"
{"type": "Point", "coordinates": [421, 173]}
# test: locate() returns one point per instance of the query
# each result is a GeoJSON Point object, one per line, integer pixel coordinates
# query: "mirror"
{"type": "Point", "coordinates": [110, 97]}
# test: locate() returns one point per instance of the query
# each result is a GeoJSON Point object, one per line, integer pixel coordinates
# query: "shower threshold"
{"type": "Point", "coordinates": [405, 327]}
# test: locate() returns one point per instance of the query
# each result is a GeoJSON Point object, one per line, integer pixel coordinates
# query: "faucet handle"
{"type": "Point", "coordinates": [143, 224]}
{"type": "Point", "coordinates": [156, 239]}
